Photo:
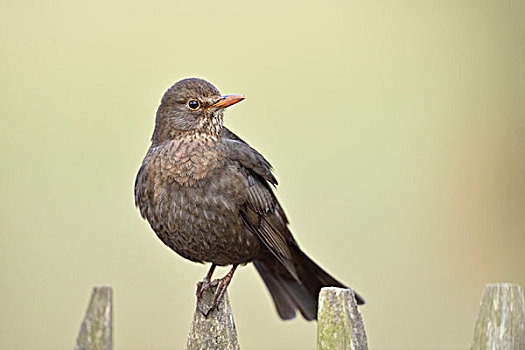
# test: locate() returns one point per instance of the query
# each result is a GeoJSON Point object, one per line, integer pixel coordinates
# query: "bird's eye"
{"type": "Point", "coordinates": [193, 105]}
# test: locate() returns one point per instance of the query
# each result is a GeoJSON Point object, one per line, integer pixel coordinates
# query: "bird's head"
{"type": "Point", "coordinates": [191, 107]}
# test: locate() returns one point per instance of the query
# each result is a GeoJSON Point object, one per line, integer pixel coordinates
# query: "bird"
{"type": "Point", "coordinates": [209, 196]}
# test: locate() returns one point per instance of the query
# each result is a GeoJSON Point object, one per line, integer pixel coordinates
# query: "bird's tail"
{"type": "Point", "coordinates": [290, 294]}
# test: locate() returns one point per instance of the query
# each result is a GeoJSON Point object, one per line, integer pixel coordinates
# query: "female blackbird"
{"type": "Point", "coordinates": [207, 195]}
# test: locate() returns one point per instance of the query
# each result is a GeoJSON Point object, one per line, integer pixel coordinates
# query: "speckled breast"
{"type": "Point", "coordinates": [193, 203]}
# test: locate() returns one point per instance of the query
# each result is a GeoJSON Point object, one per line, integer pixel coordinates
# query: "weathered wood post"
{"type": "Point", "coordinates": [501, 320]}
{"type": "Point", "coordinates": [215, 332]}
{"type": "Point", "coordinates": [339, 323]}
{"type": "Point", "coordinates": [96, 329]}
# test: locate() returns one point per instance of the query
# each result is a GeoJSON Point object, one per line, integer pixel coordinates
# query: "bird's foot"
{"type": "Point", "coordinates": [204, 306]}
{"type": "Point", "coordinates": [220, 286]}
{"type": "Point", "coordinates": [204, 285]}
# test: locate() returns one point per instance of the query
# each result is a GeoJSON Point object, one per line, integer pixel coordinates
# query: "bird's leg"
{"type": "Point", "coordinates": [220, 284]}
{"type": "Point", "coordinates": [201, 286]}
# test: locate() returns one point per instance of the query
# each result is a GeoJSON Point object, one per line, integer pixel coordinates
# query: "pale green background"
{"type": "Point", "coordinates": [396, 128]}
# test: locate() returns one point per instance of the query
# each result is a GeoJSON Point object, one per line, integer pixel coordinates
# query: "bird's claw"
{"type": "Point", "coordinates": [219, 285]}
{"type": "Point", "coordinates": [202, 286]}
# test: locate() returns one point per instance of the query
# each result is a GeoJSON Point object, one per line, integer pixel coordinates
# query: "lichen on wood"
{"type": "Point", "coordinates": [501, 320]}
{"type": "Point", "coordinates": [96, 329]}
{"type": "Point", "coordinates": [340, 325]}
{"type": "Point", "coordinates": [217, 330]}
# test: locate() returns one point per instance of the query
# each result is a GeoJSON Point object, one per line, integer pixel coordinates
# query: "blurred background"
{"type": "Point", "coordinates": [396, 128]}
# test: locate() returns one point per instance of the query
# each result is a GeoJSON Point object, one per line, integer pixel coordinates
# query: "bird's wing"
{"type": "Point", "coordinates": [261, 212]}
{"type": "Point", "coordinates": [248, 156]}
{"type": "Point", "coordinates": [250, 159]}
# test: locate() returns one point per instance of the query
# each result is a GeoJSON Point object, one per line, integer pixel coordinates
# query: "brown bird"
{"type": "Point", "coordinates": [208, 196]}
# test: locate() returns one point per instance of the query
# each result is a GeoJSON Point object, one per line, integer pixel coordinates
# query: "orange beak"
{"type": "Point", "coordinates": [226, 101]}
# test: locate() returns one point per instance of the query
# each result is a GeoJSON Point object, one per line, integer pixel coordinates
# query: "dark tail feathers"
{"type": "Point", "coordinates": [290, 294]}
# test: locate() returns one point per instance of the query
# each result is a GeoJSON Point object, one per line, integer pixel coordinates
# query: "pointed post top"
{"type": "Point", "coordinates": [217, 330]}
{"type": "Point", "coordinates": [340, 325]}
{"type": "Point", "coordinates": [96, 329]}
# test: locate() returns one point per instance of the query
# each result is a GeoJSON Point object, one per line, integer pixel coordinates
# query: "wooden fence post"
{"type": "Point", "coordinates": [339, 323]}
{"type": "Point", "coordinates": [215, 332]}
{"type": "Point", "coordinates": [501, 320]}
{"type": "Point", "coordinates": [96, 329]}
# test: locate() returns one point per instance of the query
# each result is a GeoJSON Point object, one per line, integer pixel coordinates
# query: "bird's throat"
{"type": "Point", "coordinates": [209, 128]}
